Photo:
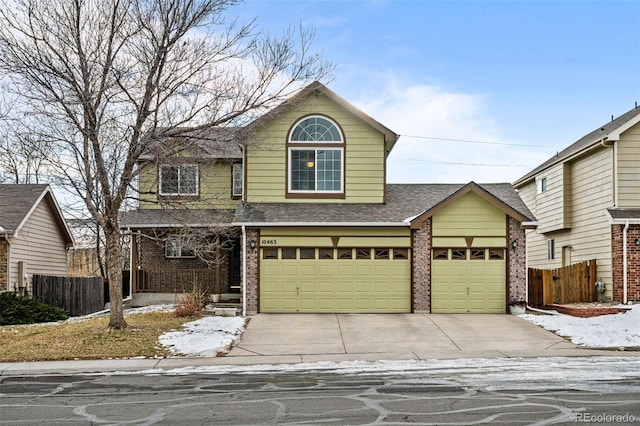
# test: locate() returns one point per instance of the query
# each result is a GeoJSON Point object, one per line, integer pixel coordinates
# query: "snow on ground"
{"type": "Point", "coordinates": [606, 331]}
{"type": "Point", "coordinates": [207, 336]}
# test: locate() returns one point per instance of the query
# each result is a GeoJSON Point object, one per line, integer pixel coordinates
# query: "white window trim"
{"type": "Point", "coordinates": [551, 249]}
{"type": "Point", "coordinates": [197, 189]}
{"type": "Point", "coordinates": [237, 175]}
{"type": "Point", "coordinates": [341, 141]}
{"type": "Point", "coordinates": [542, 184]}
{"type": "Point", "coordinates": [316, 191]}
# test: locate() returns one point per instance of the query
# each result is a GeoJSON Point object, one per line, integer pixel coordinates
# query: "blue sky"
{"type": "Point", "coordinates": [539, 74]}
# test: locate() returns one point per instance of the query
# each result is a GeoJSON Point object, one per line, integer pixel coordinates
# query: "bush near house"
{"type": "Point", "coordinates": [15, 309]}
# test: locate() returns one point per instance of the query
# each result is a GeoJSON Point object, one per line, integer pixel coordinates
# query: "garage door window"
{"type": "Point", "coordinates": [288, 253]}
{"type": "Point", "coordinates": [496, 254]}
{"type": "Point", "coordinates": [363, 254]}
{"type": "Point", "coordinates": [325, 253]}
{"type": "Point", "coordinates": [477, 254]}
{"type": "Point", "coordinates": [399, 253]}
{"type": "Point", "coordinates": [382, 253]}
{"type": "Point", "coordinates": [458, 254]}
{"type": "Point", "coordinates": [270, 253]}
{"type": "Point", "coordinates": [307, 253]}
{"type": "Point", "coordinates": [345, 253]}
{"type": "Point", "coordinates": [440, 254]}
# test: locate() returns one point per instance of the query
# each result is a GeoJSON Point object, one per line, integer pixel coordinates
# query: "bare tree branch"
{"type": "Point", "coordinates": [96, 78]}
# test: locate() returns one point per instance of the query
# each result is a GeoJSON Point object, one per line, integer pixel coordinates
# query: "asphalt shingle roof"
{"type": "Point", "coordinates": [146, 218]}
{"type": "Point", "coordinates": [625, 213]}
{"type": "Point", "coordinates": [584, 142]}
{"type": "Point", "coordinates": [16, 202]}
{"type": "Point", "coordinates": [404, 202]}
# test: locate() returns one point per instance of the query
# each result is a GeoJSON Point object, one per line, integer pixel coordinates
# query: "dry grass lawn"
{"type": "Point", "coordinates": [88, 339]}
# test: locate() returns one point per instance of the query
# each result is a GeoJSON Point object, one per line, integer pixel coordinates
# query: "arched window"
{"type": "Point", "coordinates": [316, 157]}
{"type": "Point", "coordinates": [315, 129]}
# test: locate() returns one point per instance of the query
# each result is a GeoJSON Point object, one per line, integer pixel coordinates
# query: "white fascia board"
{"type": "Point", "coordinates": [631, 221]}
{"type": "Point", "coordinates": [319, 224]}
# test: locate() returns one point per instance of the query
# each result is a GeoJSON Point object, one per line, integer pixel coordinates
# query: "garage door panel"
{"type": "Point", "coordinates": [335, 285]}
{"type": "Point", "coordinates": [468, 286]}
{"type": "Point", "coordinates": [326, 287]}
{"type": "Point", "coordinates": [285, 270]}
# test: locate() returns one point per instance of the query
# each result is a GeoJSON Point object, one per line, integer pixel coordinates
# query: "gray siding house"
{"type": "Point", "coordinates": [587, 201]}
{"type": "Point", "coordinates": [34, 236]}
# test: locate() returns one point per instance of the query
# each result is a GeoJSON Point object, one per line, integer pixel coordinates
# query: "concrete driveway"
{"type": "Point", "coordinates": [340, 337]}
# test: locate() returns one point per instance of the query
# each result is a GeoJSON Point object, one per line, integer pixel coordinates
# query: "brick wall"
{"type": "Point", "coordinates": [152, 257]}
{"type": "Point", "coordinates": [633, 263]}
{"type": "Point", "coordinates": [3, 265]}
{"type": "Point", "coordinates": [253, 234]}
{"type": "Point", "coordinates": [421, 268]}
{"type": "Point", "coordinates": [517, 268]}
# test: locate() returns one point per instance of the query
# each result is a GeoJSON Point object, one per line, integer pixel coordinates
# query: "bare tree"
{"type": "Point", "coordinates": [22, 159]}
{"type": "Point", "coordinates": [98, 77]}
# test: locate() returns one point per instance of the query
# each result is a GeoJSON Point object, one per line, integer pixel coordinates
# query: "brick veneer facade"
{"type": "Point", "coordinates": [517, 268]}
{"type": "Point", "coordinates": [252, 271]}
{"type": "Point", "coordinates": [421, 268]}
{"type": "Point", "coordinates": [3, 265]}
{"type": "Point", "coordinates": [633, 262]}
{"type": "Point", "coordinates": [152, 257]}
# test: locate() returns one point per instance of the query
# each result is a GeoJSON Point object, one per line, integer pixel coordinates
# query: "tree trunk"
{"type": "Point", "coordinates": [114, 273]}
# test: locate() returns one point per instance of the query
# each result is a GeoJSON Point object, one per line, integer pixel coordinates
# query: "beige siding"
{"type": "Point", "coordinates": [40, 245]}
{"type": "Point", "coordinates": [214, 187]}
{"type": "Point", "coordinates": [551, 208]}
{"type": "Point", "coordinates": [470, 216]}
{"type": "Point", "coordinates": [364, 156]}
{"type": "Point", "coordinates": [629, 168]}
{"type": "Point", "coordinates": [591, 183]}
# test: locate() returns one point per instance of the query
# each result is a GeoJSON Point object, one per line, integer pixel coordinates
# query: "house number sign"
{"type": "Point", "coordinates": [265, 242]}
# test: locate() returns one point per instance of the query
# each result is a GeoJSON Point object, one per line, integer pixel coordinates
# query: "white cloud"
{"type": "Point", "coordinates": [429, 111]}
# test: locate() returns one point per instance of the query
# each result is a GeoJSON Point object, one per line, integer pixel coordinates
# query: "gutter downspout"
{"type": "Point", "coordinates": [615, 174]}
{"type": "Point", "coordinates": [624, 262]}
{"type": "Point", "coordinates": [6, 238]}
{"type": "Point", "coordinates": [244, 271]}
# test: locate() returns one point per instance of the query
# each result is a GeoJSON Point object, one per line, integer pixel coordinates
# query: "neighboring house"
{"type": "Point", "coordinates": [299, 218]}
{"type": "Point", "coordinates": [34, 236]}
{"type": "Point", "coordinates": [587, 201]}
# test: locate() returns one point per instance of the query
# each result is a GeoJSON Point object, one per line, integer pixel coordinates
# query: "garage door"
{"type": "Point", "coordinates": [356, 280]}
{"type": "Point", "coordinates": [468, 280]}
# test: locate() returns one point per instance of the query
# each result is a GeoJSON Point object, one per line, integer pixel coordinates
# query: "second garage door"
{"type": "Point", "coordinates": [468, 280]}
{"type": "Point", "coordinates": [328, 280]}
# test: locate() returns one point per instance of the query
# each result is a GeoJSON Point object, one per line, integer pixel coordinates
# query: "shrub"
{"type": "Point", "coordinates": [192, 302]}
{"type": "Point", "coordinates": [15, 309]}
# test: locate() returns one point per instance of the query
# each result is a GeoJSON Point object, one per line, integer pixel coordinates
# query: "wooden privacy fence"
{"type": "Point", "coordinates": [77, 295]}
{"type": "Point", "coordinates": [570, 284]}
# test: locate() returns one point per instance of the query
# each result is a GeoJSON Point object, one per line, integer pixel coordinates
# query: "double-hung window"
{"type": "Point", "coordinates": [316, 157]}
{"type": "Point", "coordinates": [178, 179]}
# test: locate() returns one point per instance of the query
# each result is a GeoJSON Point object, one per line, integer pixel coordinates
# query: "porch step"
{"type": "Point", "coordinates": [224, 310]}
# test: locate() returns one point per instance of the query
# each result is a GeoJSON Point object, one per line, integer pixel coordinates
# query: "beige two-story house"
{"type": "Point", "coordinates": [587, 201]}
{"type": "Point", "coordinates": [293, 214]}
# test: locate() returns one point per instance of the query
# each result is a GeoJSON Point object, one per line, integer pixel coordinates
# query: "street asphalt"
{"type": "Point", "coordinates": [308, 338]}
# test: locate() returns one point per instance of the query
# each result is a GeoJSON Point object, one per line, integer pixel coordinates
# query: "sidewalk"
{"type": "Point", "coordinates": [309, 338]}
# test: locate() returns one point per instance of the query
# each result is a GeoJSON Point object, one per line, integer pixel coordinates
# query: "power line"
{"type": "Point", "coordinates": [474, 141]}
